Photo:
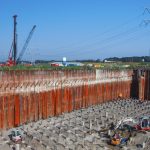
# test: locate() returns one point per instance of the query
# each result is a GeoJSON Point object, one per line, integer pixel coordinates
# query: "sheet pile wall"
{"type": "Point", "coordinates": [27, 96]}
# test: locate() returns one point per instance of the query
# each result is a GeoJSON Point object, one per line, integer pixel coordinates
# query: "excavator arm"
{"type": "Point", "coordinates": [123, 121]}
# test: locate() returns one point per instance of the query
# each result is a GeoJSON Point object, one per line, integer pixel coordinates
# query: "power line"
{"type": "Point", "coordinates": [106, 46]}
{"type": "Point", "coordinates": [100, 34]}
{"type": "Point", "coordinates": [108, 39]}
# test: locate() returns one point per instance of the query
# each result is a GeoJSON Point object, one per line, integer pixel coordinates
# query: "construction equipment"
{"type": "Point", "coordinates": [123, 130]}
{"type": "Point", "coordinates": [144, 123]}
{"type": "Point", "coordinates": [121, 122]}
{"type": "Point", "coordinates": [26, 44]}
{"type": "Point", "coordinates": [12, 58]}
{"type": "Point", "coordinates": [119, 140]}
{"type": "Point", "coordinates": [15, 136]}
{"type": "Point", "coordinates": [13, 50]}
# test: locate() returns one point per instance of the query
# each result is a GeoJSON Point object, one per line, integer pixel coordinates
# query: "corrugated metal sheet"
{"type": "Point", "coordinates": [27, 96]}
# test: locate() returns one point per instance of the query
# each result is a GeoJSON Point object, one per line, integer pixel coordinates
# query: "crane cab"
{"type": "Point", "coordinates": [144, 123]}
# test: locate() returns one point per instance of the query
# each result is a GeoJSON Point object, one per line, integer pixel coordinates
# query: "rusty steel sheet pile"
{"type": "Point", "coordinates": [27, 96]}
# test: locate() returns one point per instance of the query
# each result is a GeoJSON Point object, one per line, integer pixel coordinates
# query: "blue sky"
{"type": "Point", "coordinates": [77, 29]}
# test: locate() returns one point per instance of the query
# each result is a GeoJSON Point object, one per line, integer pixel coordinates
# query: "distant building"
{"type": "Point", "coordinates": [109, 61]}
{"type": "Point", "coordinates": [64, 62]}
{"type": "Point", "coordinates": [56, 64]}
{"type": "Point", "coordinates": [75, 64]}
{"type": "Point", "coordinates": [70, 64]}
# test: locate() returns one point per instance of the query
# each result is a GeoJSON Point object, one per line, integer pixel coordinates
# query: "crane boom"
{"type": "Point", "coordinates": [26, 44]}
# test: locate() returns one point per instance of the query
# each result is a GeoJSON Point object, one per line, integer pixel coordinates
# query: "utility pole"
{"type": "Point", "coordinates": [149, 53]}
{"type": "Point", "coordinates": [146, 22]}
{"type": "Point", "coordinates": [15, 39]}
{"type": "Point", "coordinates": [146, 10]}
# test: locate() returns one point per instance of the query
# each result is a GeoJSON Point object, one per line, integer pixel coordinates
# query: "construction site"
{"type": "Point", "coordinates": [74, 109]}
{"type": "Point", "coordinates": [88, 108]}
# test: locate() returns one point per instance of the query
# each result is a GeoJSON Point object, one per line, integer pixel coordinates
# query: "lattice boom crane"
{"type": "Point", "coordinates": [26, 44]}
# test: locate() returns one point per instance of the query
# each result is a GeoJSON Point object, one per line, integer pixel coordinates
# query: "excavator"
{"type": "Point", "coordinates": [12, 57]}
{"type": "Point", "coordinates": [15, 136]}
{"type": "Point", "coordinates": [124, 130]}
{"type": "Point", "coordinates": [144, 123]}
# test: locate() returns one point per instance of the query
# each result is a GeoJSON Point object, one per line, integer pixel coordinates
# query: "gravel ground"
{"type": "Point", "coordinates": [79, 130]}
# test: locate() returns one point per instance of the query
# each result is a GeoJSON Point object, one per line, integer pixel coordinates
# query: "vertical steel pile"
{"type": "Point", "coordinates": [27, 96]}
{"type": "Point", "coordinates": [144, 84]}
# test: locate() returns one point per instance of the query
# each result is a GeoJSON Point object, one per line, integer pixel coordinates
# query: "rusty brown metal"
{"type": "Point", "coordinates": [17, 110]}
{"type": "Point", "coordinates": [27, 96]}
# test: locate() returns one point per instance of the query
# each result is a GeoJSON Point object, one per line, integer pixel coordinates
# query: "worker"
{"type": "Point", "coordinates": [120, 95]}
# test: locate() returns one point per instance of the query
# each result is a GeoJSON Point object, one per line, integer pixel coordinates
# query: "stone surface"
{"type": "Point", "coordinates": [80, 129]}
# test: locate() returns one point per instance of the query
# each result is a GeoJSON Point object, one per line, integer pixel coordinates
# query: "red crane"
{"type": "Point", "coordinates": [13, 50]}
{"type": "Point", "coordinates": [12, 57]}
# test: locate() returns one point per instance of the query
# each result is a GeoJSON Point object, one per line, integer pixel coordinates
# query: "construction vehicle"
{"type": "Point", "coordinates": [12, 58]}
{"type": "Point", "coordinates": [25, 45]}
{"type": "Point", "coordinates": [124, 130]}
{"type": "Point", "coordinates": [122, 135]}
{"type": "Point", "coordinates": [123, 121]}
{"type": "Point", "coordinates": [144, 123]}
{"type": "Point", "coordinates": [119, 140]}
{"type": "Point", "coordinates": [15, 136]}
